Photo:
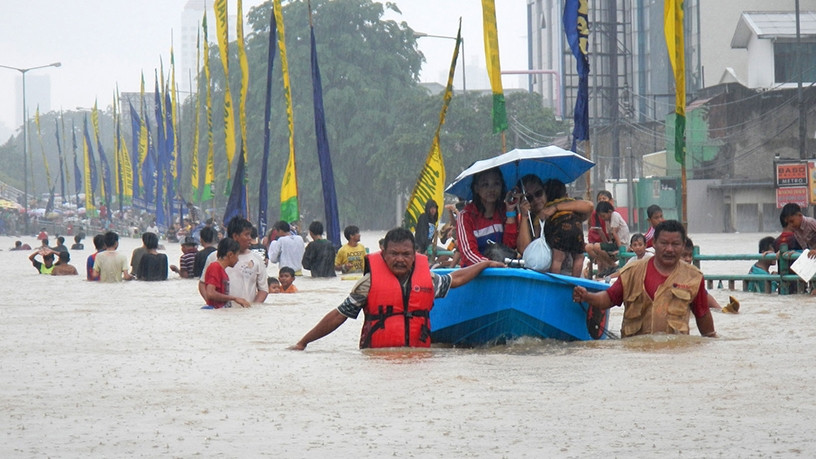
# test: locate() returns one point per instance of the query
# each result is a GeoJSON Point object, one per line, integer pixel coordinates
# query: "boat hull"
{"type": "Point", "coordinates": [505, 303]}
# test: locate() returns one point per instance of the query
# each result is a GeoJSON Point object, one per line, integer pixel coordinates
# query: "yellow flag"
{"type": "Point", "coordinates": [244, 62]}
{"type": "Point", "coordinates": [491, 44]}
{"type": "Point", "coordinates": [42, 148]}
{"type": "Point", "coordinates": [431, 181]}
{"type": "Point", "coordinates": [194, 180]}
{"type": "Point", "coordinates": [675, 42]}
{"type": "Point", "coordinates": [289, 195]}
{"type": "Point", "coordinates": [103, 193]}
{"type": "Point", "coordinates": [209, 171]}
{"type": "Point", "coordinates": [222, 31]}
{"type": "Point", "coordinates": [126, 167]}
{"type": "Point", "coordinates": [117, 165]}
{"type": "Point", "coordinates": [143, 140]}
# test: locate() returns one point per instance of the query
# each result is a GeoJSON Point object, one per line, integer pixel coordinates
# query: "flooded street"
{"type": "Point", "coordinates": [137, 369]}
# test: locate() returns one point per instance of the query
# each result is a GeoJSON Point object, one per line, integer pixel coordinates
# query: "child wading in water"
{"type": "Point", "coordinates": [216, 279]}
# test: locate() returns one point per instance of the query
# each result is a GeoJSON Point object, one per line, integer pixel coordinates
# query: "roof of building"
{"type": "Point", "coordinates": [772, 24]}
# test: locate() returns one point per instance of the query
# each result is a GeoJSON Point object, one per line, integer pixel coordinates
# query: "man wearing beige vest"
{"type": "Point", "coordinates": [659, 293]}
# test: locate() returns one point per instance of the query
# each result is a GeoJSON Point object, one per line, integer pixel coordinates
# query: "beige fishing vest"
{"type": "Point", "coordinates": [670, 310]}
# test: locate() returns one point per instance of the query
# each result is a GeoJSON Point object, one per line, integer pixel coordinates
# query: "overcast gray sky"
{"type": "Point", "coordinates": [104, 42]}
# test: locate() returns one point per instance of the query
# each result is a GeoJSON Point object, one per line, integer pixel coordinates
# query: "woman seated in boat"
{"type": "Point", "coordinates": [562, 219]}
{"type": "Point", "coordinates": [486, 220]}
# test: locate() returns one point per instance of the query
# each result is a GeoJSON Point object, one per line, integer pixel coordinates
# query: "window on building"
{"type": "Point", "coordinates": [785, 62]}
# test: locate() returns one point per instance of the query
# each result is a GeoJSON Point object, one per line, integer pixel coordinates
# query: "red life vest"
{"type": "Point", "coordinates": [394, 320]}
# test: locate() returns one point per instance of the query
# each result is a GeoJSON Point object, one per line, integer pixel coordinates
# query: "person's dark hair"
{"type": "Point", "coordinates": [207, 235]}
{"type": "Point", "coordinates": [99, 242]}
{"type": "Point", "coordinates": [18, 243]}
{"type": "Point", "coordinates": [254, 233]}
{"type": "Point", "coordinates": [78, 237]}
{"type": "Point", "coordinates": [604, 207]}
{"type": "Point", "coordinates": [652, 210]}
{"type": "Point", "coordinates": [637, 237]}
{"type": "Point", "coordinates": [50, 256]}
{"type": "Point", "coordinates": [350, 231]}
{"type": "Point", "coordinates": [238, 225]}
{"type": "Point", "coordinates": [286, 269]}
{"type": "Point", "coordinates": [151, 241]}
{"type": "Point", "coordinates": [45, 242]}
{"type": "Point", "coordinates": [788, 210]}
{"type": "Point", "coordinates": [555, 189]}
{"type": "Point", "coordinates": [398, 235]}
{"type": "Point", "coordinates": [226, 246]}
{"type": "Point", "coordinates": [766, 244]}
{"type": "Point", "coordinates": [111, 239]}
{"type": "Point", "coordinates": [431, 204]}
{"type": "Point", "coordinates": [282, 226]}
{"type": "Point", "coordinates": [689, 244]}
{"type": "Point", "coordinates": [606, 193]}
{"type": "Point", "coordinates": [64, 257]}
{"type": "Point", "coordinates": [316, 227]}
{"type": "Point", "coordinates": [477, 200]}
{"type": "Point", "coordinates": [670, 226]}
{"type": "Point", "coordinates": [60, 240]}
{"type": "Point", "coordinates": [270, 281]}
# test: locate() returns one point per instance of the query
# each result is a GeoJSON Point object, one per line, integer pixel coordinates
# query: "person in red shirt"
{"type": "Point", "coordinates": [216, 279]}
{"type": "Point", "coordinates": [659, 292]}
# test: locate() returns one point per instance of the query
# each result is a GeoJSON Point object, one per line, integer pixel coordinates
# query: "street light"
{"type": "Point", "coordinates": [25, 132]}
{"type": "Point", "coordinates": [423, 34]}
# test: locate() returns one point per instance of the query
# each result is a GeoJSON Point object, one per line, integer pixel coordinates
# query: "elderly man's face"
{"type": "Point", "coordinates": [669, 247]}
{"type": "Point", "coordinates": [399, 257]}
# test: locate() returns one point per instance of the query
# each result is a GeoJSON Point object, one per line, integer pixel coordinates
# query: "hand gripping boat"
{"type": "Point", "coordinates": [508, 303]}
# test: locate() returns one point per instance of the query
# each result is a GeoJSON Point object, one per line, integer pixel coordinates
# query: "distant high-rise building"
{"type": "Point", "coordinates": [38, 92]}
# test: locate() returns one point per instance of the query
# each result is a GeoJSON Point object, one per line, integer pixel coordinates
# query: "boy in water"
{"type": "Point", "coordinates": [274, 284]}
{"type": "Point", "coordinates": [286, 276]}
{"type": "Point", "coordinates": [766, 247]}
{"type": "Point", "coordinates": [350, 257]}
{"type": "Point", "coordinates": [216, 279]}
{"type": "Point", "coordinates": [655, 215]}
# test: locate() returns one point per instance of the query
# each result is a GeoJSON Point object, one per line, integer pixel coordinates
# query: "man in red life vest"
{"type": "Point", "coordinates": [396, 296]}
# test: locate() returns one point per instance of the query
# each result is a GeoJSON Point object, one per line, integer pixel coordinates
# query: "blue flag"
{"type": "Point", "coordinates": [323, 152]}
{"type": "Point", "coordinates": [263, 187]}
{"type": "Point", "coordinates": [106, 176]}
{"type": "Point", "coordinates": [170, 152]}
{"type": "Point", "coordinates": [161, 159]}
{"type": "Point", "coordinates": [61, 161]}
{"type": "Point", "coordinates": [576, 28]}
{"type": "Point", "coordinates": [237, 203]}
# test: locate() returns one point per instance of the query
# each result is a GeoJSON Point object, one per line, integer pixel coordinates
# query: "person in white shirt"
{"type": "Point", "coordinates": [286, 249]}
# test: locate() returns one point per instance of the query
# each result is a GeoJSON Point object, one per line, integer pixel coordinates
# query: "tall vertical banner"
{"type": "Point", "coordinates": [675, 42]}
{"type": "Point", "coordinates": [91, 179]}
{"type": "Point", "coordinates": [135, 141]}
{"type": "Point", "coordinates": [125, 161]}
{"type": "Point", "coordinates": [676, 46]}
{"type": "Point", "coordinates": [222, 31]}
{"type": "Point", "coordinates": [107, 190]}
{"type": "Point", "coordinates": [209, 165]}
{"type": "Point", "coordinates": [144, 137]}
{"type": "Point", "coordinates": [289, 193]}
{"type": "Point", "coordinates": [323, 151]}
{"type": "Point", "coordinates": [77, 172]}
{"type": "Point", "coordinates": [244, 91]}
{"type": "Point", "coordinates": [576, 28]}
{"type": "Point", "coordinates": [491, 44]}
{"type": "Point", "coordinates": [175, 157]}
{"type": "Point", "coordinates": [194, 179]}
{"type": "Point", "coordinates": [61, 160]}
{"type": "Point", "coordinates": [42, 149]}
{"type": "Point", "coordinates": [431, 181]}
{"type": "Point", "coordinates": [263, 185]}
{"type": "Point", "coordinates": [161, 154]}
{"type": "Point", "coordinates": [237, 202]}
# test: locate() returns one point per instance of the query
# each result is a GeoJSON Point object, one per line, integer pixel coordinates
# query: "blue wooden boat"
{"type": "Point", "coordinates": [508, 303]}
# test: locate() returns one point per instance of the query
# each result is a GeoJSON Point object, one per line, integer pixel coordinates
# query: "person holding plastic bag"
{"type": "Point", "coordinates": [535, 211]}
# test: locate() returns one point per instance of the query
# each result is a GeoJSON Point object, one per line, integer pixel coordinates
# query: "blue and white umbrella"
{"type": "Point", "coordinates": [546, 162]}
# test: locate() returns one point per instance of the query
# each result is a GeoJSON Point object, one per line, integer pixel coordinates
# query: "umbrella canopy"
{"type": "Point", "coordinates": [546, 162]}
{"type": "Point", "coordinates": [6, 204]}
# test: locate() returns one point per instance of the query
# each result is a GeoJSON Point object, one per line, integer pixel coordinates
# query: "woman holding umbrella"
{"type": "Point", "coordinates": [487, 219]}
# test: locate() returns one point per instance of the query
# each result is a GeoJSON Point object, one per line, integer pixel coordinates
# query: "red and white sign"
{"type": "Point", "coordinates": [792, 174]}
{"type": "Point", "coordinates": [795, 194]}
